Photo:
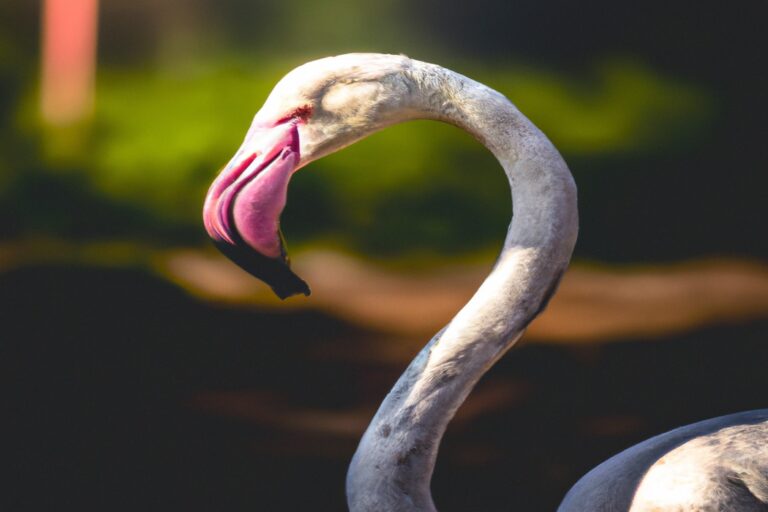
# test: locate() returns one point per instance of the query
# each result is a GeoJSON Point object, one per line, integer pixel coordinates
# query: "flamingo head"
{"type": "Point", "coordinates": [315, 110]}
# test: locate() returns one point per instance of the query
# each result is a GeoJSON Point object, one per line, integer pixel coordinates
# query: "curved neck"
{"type": "Point", "coordinates": [393, 465]}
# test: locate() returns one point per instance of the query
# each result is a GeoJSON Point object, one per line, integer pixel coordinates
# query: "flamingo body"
{"type": "Point", "coordinates": [719, 465]}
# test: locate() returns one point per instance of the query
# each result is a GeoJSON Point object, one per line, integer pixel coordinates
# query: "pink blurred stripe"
{"type": "Point", "coordinates": [69, 59]}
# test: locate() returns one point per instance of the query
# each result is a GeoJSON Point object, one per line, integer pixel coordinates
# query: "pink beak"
{"type": "Point", "coordinates": [243, 206]}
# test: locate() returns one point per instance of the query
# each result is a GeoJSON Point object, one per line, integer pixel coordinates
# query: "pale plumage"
{"type": "Point", "coordinates": [327, 104]}
{"type": "Point", "coordinates": [718, 465]}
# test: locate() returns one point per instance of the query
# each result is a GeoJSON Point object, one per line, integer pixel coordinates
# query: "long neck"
{"type": "Point", "coordinates": [393, 465]}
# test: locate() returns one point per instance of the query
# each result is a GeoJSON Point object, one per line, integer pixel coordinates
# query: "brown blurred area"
{"type": "Point", "coordinates": [592, 305]}
{"type": "Point", "coordinates": [146, 371]}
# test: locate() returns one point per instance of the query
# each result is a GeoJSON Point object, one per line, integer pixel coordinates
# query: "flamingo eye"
{"type": "Point", "coordinates": [299, 113]}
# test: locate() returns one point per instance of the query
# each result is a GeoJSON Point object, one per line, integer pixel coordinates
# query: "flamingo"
{"type": "Point", "coordinates": [325, 105]}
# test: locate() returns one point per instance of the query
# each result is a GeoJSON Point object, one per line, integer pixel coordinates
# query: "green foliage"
{"type": "Point", "coordinates": [625, 108]}
{"type": "Point", "coordinates": [414, 187]}
{"type": "Point", "coordinates": [159, 136]}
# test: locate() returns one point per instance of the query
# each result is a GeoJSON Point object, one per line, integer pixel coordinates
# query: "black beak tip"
{"type": "Point", "coordinates": [274, 272]}
{"type": "Point", "coordinates": [288, 286]}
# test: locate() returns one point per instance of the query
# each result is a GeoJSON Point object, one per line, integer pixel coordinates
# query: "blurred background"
{"type": "Point", "coordinates": [148, 372]}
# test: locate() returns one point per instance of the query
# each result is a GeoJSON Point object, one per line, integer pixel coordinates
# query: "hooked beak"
{"type": "Point", "coordinates": [243, 206]}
